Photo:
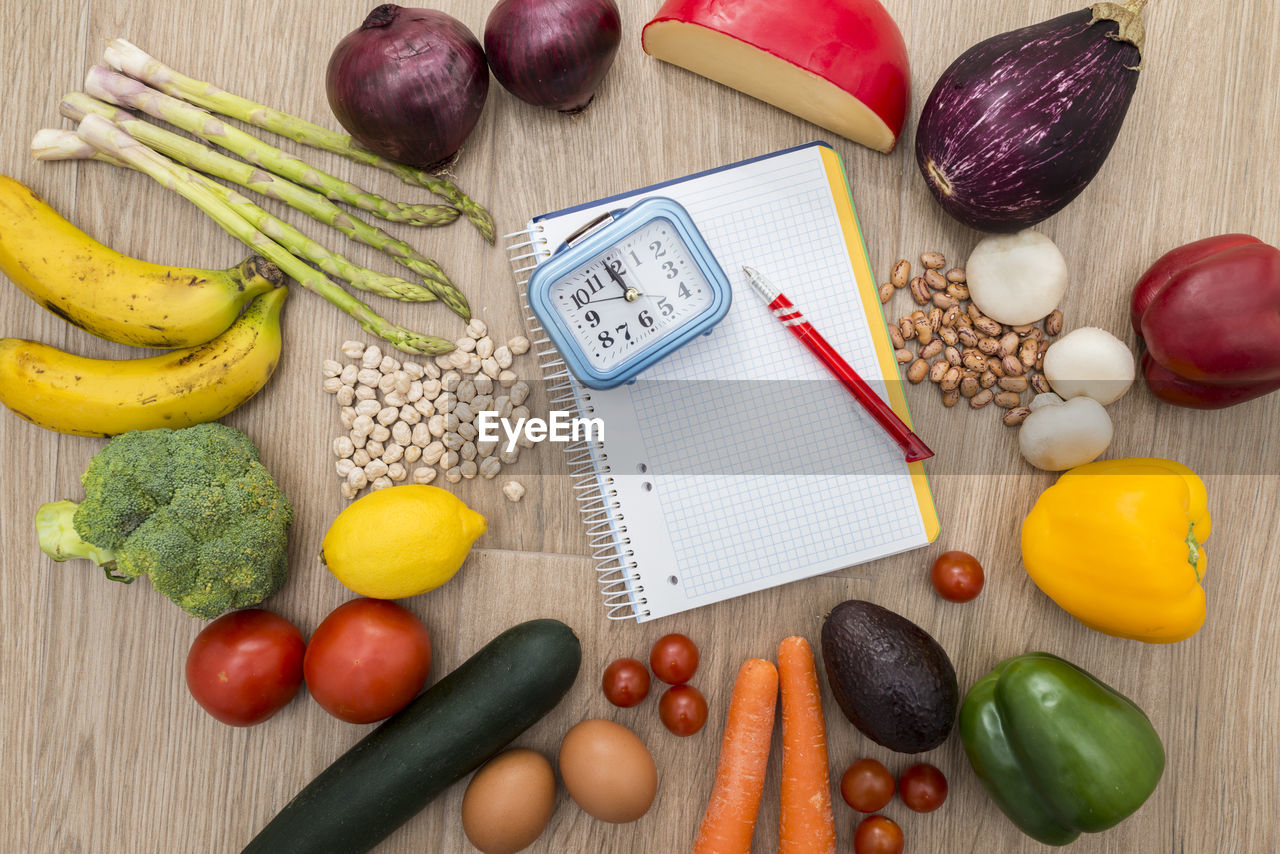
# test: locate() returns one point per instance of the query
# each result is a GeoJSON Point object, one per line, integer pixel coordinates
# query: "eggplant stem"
{"type": "Point", "coordinates": [1129, 26]}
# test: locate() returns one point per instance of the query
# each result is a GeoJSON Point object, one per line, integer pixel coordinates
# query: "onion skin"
{"type": "Point", "coordinates": [553, 53]}
{"type": "Point", "coordinates": [409, 84]}
{"type": "Point", "coordinates": [1020, 124]}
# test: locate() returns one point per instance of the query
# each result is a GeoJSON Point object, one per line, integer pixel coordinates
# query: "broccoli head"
{"type": "Point", "coordinates": [192, 509]}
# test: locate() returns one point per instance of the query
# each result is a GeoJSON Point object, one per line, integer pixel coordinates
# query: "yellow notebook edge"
{"type": "Point", "coordinates": [871, 306]}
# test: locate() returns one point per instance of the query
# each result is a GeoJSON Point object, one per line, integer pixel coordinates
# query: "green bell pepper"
{"type": "Point", "coordinates": [1058, 751]}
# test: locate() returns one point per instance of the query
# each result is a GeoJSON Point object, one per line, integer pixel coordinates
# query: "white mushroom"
{"type": "Point", "coordinates": [1089, 362]}
{"type": "Point", "coordinates": [1059, 434]}
{"type": "Point", "coordinates": [1016, 278]}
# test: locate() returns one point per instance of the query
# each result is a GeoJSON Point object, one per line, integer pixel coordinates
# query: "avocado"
{"type": "Point", "coordinates": [891, 678]}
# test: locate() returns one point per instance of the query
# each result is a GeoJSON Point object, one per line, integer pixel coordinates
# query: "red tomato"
{"type": "Point", "coordinates": [625, 682]}
{"type": "Point", "coordinates": [957, 576]}
{"type": "Point", "coordinates": [674, 659]}
{"type": "Point", "coordinates": [922, 787]}
{"type": "Point", "coordinates": [245, 666]}
{"type": "Point", "coordinates": [867, 786]}
{"type": "Point", "coordinates": [878, 835]}
{"type": "Point", "coordinates": [367, 660]}
{"type": "Point", "coordinates": [683, 710]}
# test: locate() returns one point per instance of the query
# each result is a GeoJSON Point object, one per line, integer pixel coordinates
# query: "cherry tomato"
{"type": "Point", "coordinates": [683, 710]}
{"type": "Point", "coordinates": [922, 787]}
{"type": "Point", "coordinates": [625, 682]}
{"type": "Point", "coordinates": [867, 786]}
{"type": "Point", "coordinates": [957, 576]}
{"type": "Point", "coordinates": [674, 659]}
{"type": "Point", "coordinates": [878, 835]}
{"type": "Point", "coordinates": [367, 660]}
{"type": "Point", "coordinates": [245, 666]}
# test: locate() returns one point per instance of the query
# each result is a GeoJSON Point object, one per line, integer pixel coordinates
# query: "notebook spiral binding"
{"type": "Point", "coordinates": [616, 569]}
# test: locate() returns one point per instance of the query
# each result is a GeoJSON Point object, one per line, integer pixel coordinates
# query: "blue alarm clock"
{"type": "Point", "coordinates": [626, 289]}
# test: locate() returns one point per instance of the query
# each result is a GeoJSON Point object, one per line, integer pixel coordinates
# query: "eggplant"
{"type": "Point", "coordinates": [1020, 124]}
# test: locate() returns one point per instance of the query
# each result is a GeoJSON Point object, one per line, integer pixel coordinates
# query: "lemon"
{"type": "Point", "coordinates": [401, 541]}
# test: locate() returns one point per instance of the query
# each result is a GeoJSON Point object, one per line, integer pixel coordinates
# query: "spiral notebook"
{"type": "Point", "coordinates": [738, 464]}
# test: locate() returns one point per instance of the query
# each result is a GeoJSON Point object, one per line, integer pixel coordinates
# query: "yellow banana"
{"type": "Point", "coordinates": [112, 295]}
{"type": "Point", "coordinates": [102, 397]}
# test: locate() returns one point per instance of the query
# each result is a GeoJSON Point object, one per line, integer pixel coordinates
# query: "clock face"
{"type": "Point", "coordinates": [632, 295]}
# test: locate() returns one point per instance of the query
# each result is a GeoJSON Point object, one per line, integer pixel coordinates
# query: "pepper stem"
{"type": "Point", "coordinates": [1193, 549]}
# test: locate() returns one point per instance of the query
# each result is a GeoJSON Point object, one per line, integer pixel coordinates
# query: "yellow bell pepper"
{"type": "Point", "coordinates": [1117, 544]}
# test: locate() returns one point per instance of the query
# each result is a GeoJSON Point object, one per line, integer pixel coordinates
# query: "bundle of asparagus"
{"type": "Point", "coordinates": [110, 139]}
{"type": "Point", "coordinates": [132, 60]}
{"type": "Point", "coordinates": [113, 135]}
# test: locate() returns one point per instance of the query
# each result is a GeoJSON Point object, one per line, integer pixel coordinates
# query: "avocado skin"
{"type": "Point", "coordinates": [891, 678]}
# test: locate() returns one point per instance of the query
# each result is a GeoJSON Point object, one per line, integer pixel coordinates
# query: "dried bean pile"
{"type": "Point", "coordinates": [402, 415]}
{"type": "Point", "coordinates": [967, 354]}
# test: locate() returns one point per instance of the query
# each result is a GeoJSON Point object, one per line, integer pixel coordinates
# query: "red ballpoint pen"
{"type": "Point", "coordinates": [792, 318]}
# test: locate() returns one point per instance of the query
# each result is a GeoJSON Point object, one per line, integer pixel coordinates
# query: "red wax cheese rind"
{"type": "Point", "coordinates": [841, 65]}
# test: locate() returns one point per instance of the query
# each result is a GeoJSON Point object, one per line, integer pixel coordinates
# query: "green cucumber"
{"type": "Point", "coordinates": [439, 738]}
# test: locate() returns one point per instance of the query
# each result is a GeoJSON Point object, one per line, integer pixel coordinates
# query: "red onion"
{"type": "Point", "coordinates": [409, 84]}
{"type": "Point", "coordinates": [552, 53]}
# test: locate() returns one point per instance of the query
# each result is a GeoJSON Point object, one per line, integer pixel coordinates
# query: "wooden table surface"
{"type": "Point", "coordinates": [103, 750]}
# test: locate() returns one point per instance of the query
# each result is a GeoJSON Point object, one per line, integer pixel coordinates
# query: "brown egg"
{"type": "Point", "coordinates": [509, 802]}
{"type": "Point", "coordinates": [608, 771]}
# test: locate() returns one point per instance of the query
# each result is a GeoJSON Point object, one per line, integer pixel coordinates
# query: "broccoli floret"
{"type": "Point", "coordinates": [192, 509]}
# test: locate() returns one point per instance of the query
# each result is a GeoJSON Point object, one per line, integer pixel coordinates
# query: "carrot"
{"type": "Point", "coordinates": [806, 825]}
{"type": "Point", "coordinates": [730, 819]}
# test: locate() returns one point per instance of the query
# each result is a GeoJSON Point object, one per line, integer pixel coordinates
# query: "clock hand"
{"type": "Point", "coordinates": [631, 296]}
{"type": "Point", "coordinates": [613, 274]}
{"type": "Point", "coordinates": [628, 293]}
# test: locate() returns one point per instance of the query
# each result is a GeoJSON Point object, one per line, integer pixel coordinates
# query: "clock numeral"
{"type": "Point", "coordinates": [665, 307]}
{"type": "Point", "coordinates": [593, 282]}
{"type": "Point", "coordinates": [624, 331]}
{"type": "Point", "coordinates": [656, 248]}
{"type": "Point", "coordinates": [616, 264]}
{"type": "Point", "coordinates": [593, 318]}
{"type": "Point", "coordinates": [646, 319]}
{"type": "Point", "coordinates": [581, 297]}
{"type": "Point", "coordinates": [683, 291]}
{"type": "Point", "coordinates": [670, 269]}
{"type": "Point", "coordinates": [635, 259]}
{"type": "Point", "coordinates": [606, 340]}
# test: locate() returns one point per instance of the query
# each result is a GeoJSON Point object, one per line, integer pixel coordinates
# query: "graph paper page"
{"type": "Point", "coordinates": [739, 463]}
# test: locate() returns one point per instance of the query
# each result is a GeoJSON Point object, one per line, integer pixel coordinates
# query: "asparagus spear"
{"type": "Point", "coordinates": [118, 89]}
{"type": "Point", "coordinates": [52, 144]}
{"type": "Point", "coordinates": [77, 105]}
{"type": "Point", "coordinates": [132, 60]}
{"type": "Point", "coordinates": [102, 82]}
{"type": "Point", "coordinates": [114, 141]}
{"type": "Point", "coordinates": [66, 145]}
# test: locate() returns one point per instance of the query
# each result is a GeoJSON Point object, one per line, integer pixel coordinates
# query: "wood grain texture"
{"type": "Point", "coordinates": [101, 748]}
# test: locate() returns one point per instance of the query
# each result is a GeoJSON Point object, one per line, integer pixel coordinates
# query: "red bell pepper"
{"type": "Point", "coordinates": [1209, 313]}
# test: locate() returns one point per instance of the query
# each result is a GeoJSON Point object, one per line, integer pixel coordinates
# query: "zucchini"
{"type": "Point", "coordinates": [439, 738]}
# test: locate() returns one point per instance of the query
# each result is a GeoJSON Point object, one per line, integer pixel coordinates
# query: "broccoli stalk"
{"type": "Point", "coordinates": [56, 528]}
{"type": "Point", "coordinates": [192, 509]}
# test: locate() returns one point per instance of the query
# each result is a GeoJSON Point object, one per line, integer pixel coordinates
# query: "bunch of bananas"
{"type": "Point", "coordinates": [223, 358]}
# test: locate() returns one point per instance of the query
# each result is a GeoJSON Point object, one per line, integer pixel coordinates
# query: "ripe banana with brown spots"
{"type": "Point", "coordinates": [102, 397]}
{"type": "Point", "coordinates": [115, 296]}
